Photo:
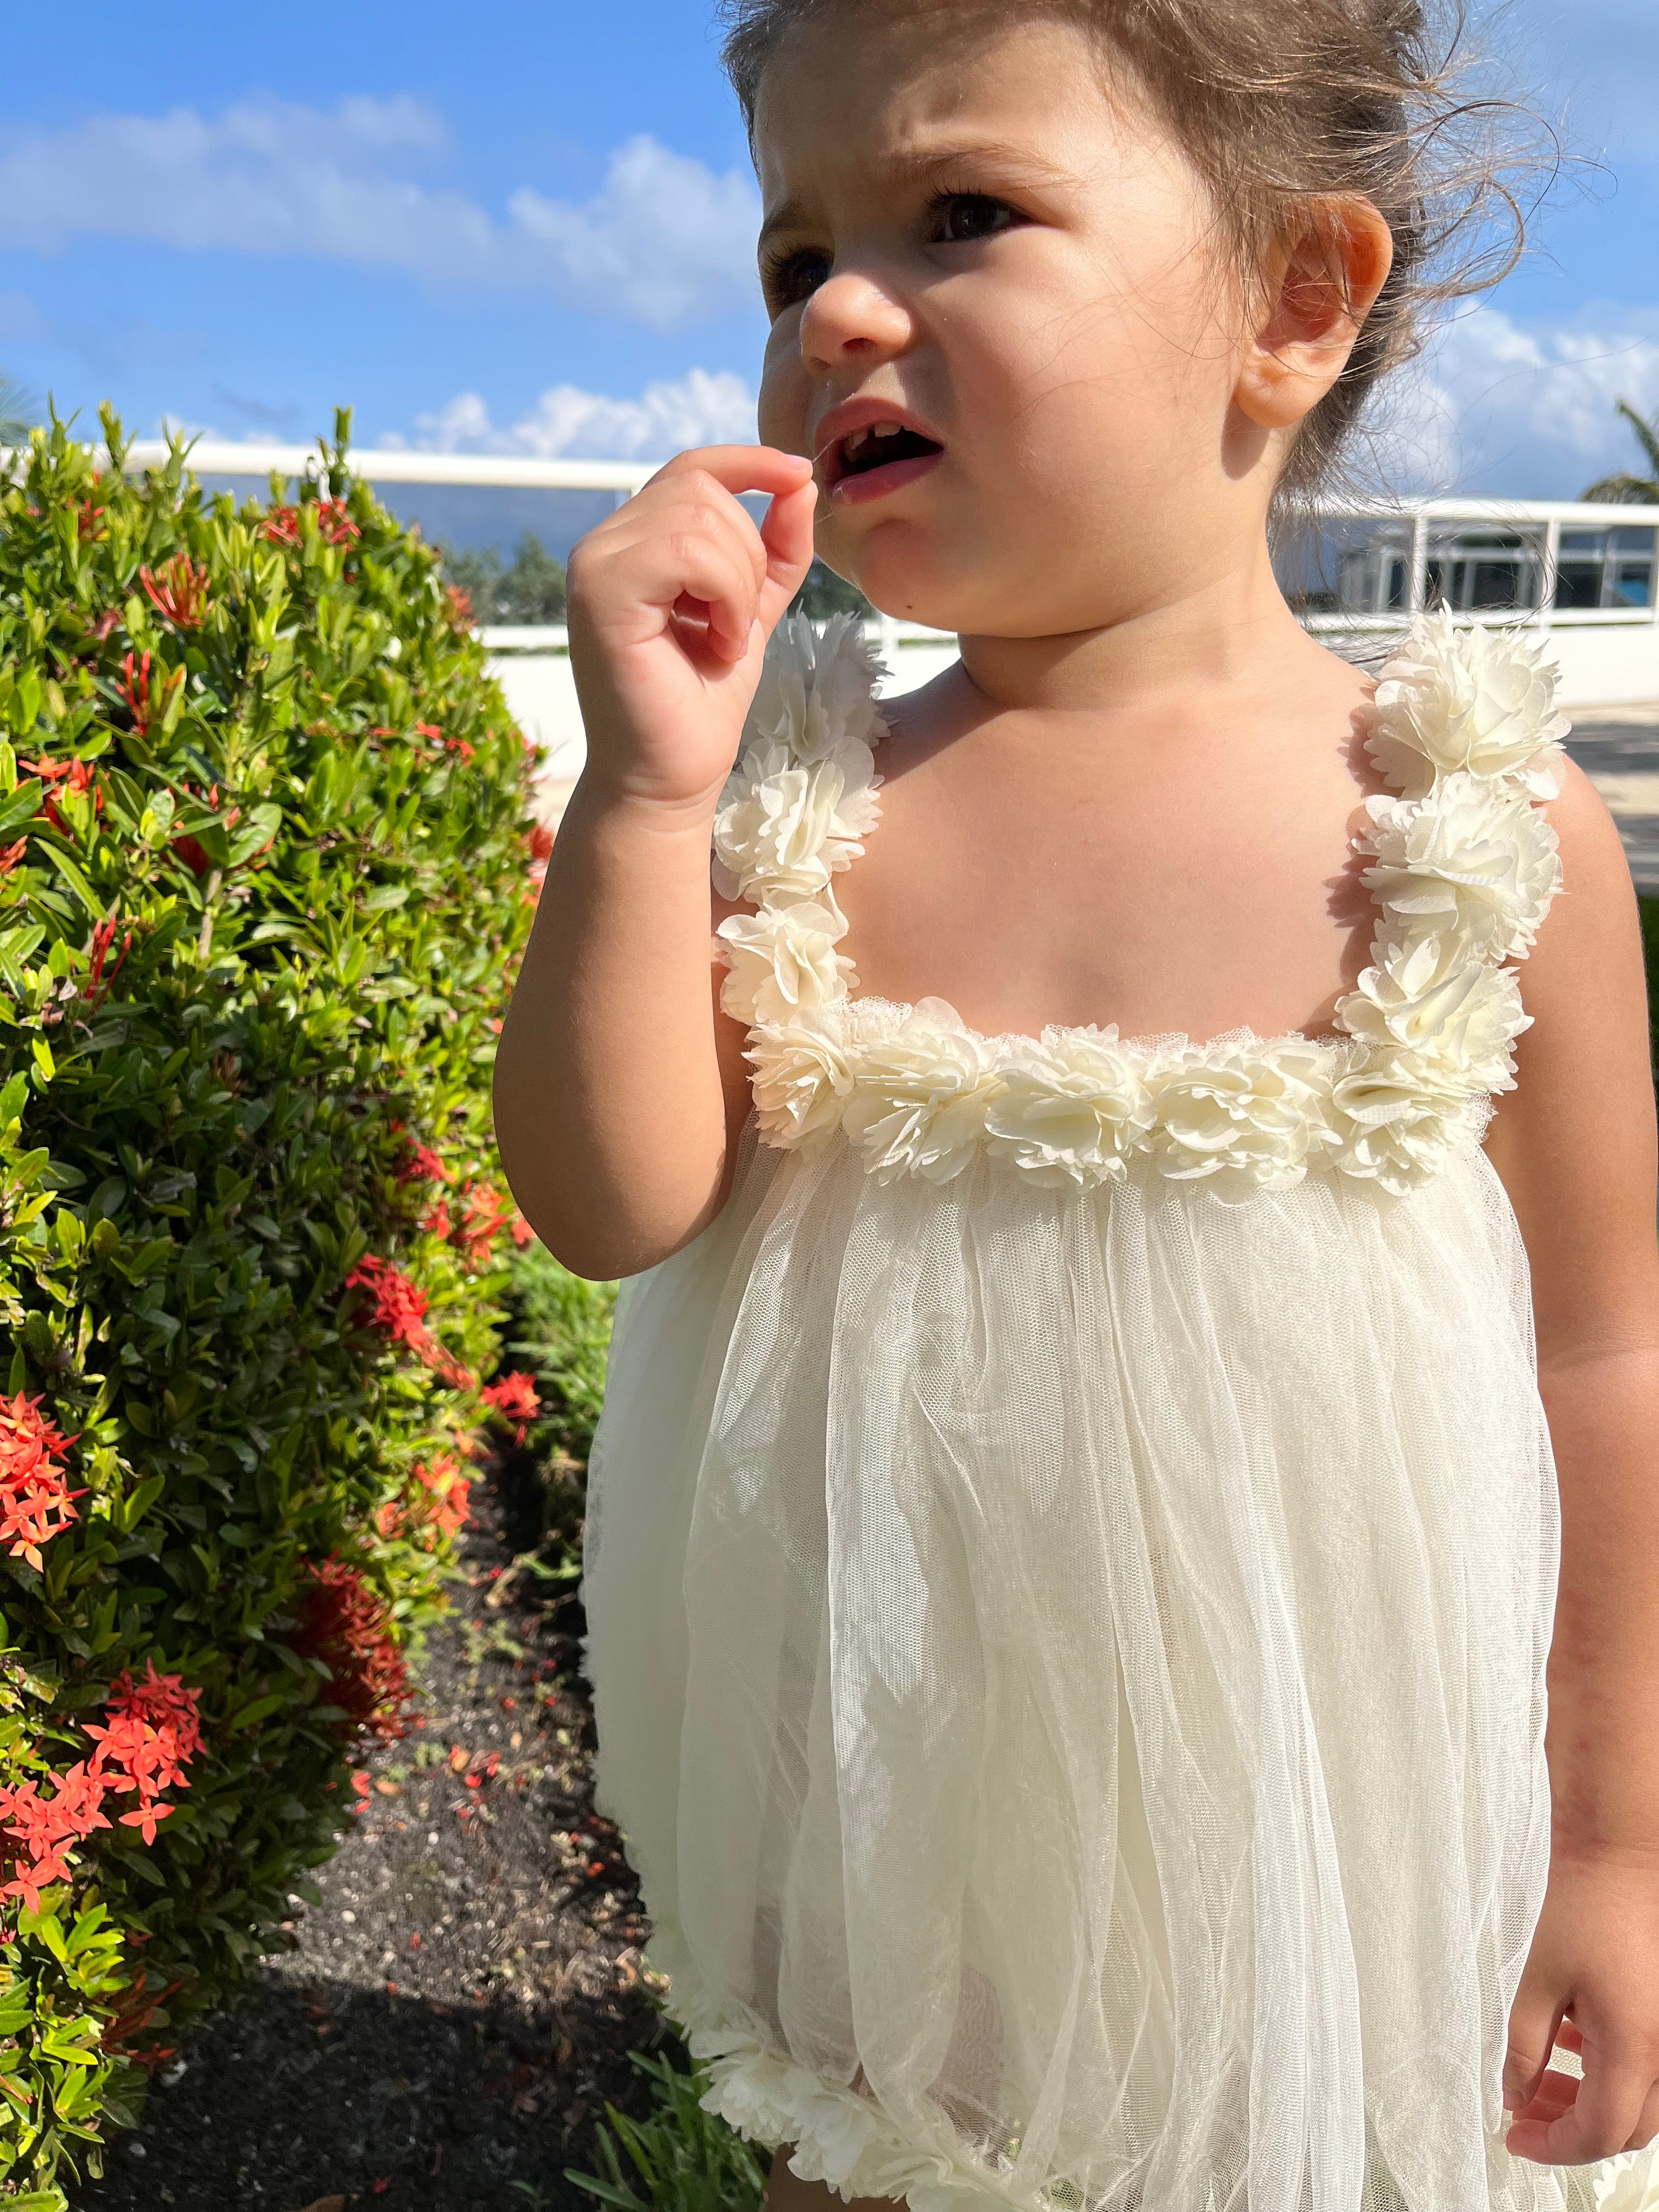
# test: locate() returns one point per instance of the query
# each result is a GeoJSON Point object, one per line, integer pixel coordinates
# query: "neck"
{"type": "Point", "coordinates": [1223, 631]}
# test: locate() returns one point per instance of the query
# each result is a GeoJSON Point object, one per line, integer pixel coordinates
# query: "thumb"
{"type": "Point", "coordinates": [1534, 2018]}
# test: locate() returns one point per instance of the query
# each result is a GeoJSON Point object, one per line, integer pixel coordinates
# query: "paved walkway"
{"type": "Point", "coordinates": [1619, 748]}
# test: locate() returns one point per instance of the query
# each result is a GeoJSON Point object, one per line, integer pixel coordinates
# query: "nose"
{"type": "Point", "coordinates": [850, 317]}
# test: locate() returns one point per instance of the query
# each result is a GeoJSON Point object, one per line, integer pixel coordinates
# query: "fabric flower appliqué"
{"type": "Point", "coordinates": [922, 1093]}
{"type": "Point", "coordinates": [783, 961]}
{"type": "Point", "coordinates": [1468, 859]}
{"type": "Point", "coordinates": [1478, 700]}
{"type": "Point", "coordinates": [1073, 1109]}
{"type": "Point", "coordinates": [1243, 1117]}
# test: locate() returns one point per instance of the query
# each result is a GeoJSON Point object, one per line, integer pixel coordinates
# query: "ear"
{"type": "Point", "coordinates": [1319, 286]}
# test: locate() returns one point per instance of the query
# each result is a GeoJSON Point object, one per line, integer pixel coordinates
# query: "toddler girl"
{"type": "Point", "coordinates": [1076, 1550]}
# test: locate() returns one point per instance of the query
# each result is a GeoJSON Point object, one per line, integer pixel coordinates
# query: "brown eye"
{"type": "Point", "coordinates": [795, 277]}
{"type": "Point", "coordinates": [960, 217]}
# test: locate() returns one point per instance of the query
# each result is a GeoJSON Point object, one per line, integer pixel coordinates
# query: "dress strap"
{"type": "Point", "coordinates": [796, 806]}
{"type": "Point", "coordinates": [1464, 869]}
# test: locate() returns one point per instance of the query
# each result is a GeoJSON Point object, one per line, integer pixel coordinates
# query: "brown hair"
{"type": "Point", "coordinates": [1280, 104]}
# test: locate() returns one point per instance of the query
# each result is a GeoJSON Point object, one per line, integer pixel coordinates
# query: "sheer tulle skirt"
{"type": "Point", "coordinates": [1070, 1674]}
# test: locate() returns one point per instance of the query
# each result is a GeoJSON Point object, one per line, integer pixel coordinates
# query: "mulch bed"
{"type": "Point", "coordinates": [449, 2023]}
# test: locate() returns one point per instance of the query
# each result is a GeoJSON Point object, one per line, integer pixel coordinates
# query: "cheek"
{"type": "Point", "coordinates": [785, 392]}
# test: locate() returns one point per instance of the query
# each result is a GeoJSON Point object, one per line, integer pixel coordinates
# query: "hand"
{"type": "Point", "coordinates": [1590, 1984]}
{"type": "Point", "coordinates": [671, 601]}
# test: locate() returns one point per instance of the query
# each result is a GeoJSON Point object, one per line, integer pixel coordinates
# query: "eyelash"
{"type": "Point", "coordinates": [776, 267]}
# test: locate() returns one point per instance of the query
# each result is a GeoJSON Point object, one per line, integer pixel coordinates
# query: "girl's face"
{"type": "Point", "coordinates": [968, 234]}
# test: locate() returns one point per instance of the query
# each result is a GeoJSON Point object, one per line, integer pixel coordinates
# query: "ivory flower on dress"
{"type": "Point", "coordinates": [787, 828]}
{"type": "Point", "coordinates": [1243, 1117]}
{"type": "Point", "coordinates": [1477, 700]}
{"type": "Point", "coordinates": [1431, 998]}
{"type": "Point", "coordinates": [1075, 1106]}
{"type": "Point", "coordinates": [817, 693]}
{"type": "Point", "coordinates": [920, 1101]}
{"type": "Point", "coordinates": [1397, 1116]}
{"type": "Point", "coordinates": [803, 1077]}
{"type": "Point", "coordinates": [1470, 858]}
{"type": "Point", "coordinates": [783, 959]}
{"type": "Point", "coordinates": [1627, 2182]}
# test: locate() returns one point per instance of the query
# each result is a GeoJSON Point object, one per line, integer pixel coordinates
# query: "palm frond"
{"type": "Point", "coordinates": [1623, 490]}
{"type": "Point", "coordinates": [19, 411]}
{"type": "Point", "coordinates": [1647, 433]}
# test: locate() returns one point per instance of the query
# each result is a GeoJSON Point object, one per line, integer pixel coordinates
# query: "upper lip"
{"type": "Point", "coordinates": [858, 415]}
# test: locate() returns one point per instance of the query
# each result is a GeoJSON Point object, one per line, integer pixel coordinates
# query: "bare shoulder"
{"type": "Point", "coordinates": [1596, 909]}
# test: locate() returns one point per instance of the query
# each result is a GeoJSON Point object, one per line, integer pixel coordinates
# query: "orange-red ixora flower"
{"type": "Point", "coordinates": [11, 855]}
{"type": "Point", "coordinates": [178, 590]}
{"type": "Point", "coordinates": [36, 1503]}
{"type": "Point", "coordinates": [348, 1627]}
{"type": "Point", "coordinates": [541, 843]}
{"type": "Point", "coordinates": [147, 700]}
{"type": "Point", "coordinates": [398, 1311]}
{"type": "Point", "coordinates": [421, 1161]}
{"type": "Point", "coordinates": [514, 1399]}
{"type": "Point", "coordinates": [334, 524]}
{"type": "Point", "coordinates": [102, 938]}
{"type": "Point", "coordinates": [152, 1733]}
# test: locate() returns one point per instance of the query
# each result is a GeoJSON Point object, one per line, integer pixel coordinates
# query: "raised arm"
{"type": "Point", "coordinates": [619, 1085]}
{"type": "Point", "coordinates": [1575, 1145]}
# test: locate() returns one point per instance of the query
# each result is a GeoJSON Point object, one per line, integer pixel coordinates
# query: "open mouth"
{"type": "Point", "coordinates": [879, 445]}
{"type": "Point", "coordinates": [878, 458]}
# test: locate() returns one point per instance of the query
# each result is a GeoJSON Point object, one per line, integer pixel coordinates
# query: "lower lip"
{"type": "Point", "coordinates": [876, 483]}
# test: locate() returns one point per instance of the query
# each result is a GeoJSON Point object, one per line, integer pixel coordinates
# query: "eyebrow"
{"type": "Point", "coordinates": [1014, 160]}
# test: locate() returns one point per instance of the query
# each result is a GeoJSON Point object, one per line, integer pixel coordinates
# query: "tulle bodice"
{"type": "Point", "coordinates": [1072, 1546]}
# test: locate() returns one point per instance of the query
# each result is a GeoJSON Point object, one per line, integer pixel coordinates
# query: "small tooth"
{"type": "Point", "coordinates": [888, 429]}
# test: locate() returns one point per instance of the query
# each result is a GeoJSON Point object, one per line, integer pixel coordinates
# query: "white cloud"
{"type": "Point", "coordinates": [665, 241]}
{"type": "Point", "coordinates": [701, 408]}
{"type": "Point", "coordinates": [1498, 407]}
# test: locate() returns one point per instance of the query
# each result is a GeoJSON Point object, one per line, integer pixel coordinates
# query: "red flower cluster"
{"type": "Point", "coordinates": [82, 776]}
{"type": "Point", "coordinates": [516, 1400]}
{"type": "Point", "coordinates": [448, 744]}
{"type": "Point", "coordinates": [11, 855]}
{"type": "Point", "coordinates": [179, 590]}
{"type": "Point", "coordinates": [146, 701]}
{"type": "Point", "coordinates": [398, 1312]}
{"type": "Point", "coordinates": [420, 1162]}
{"type": "Point", "coordinates": [102, 938]}
{"type": "Point", "coordinates": [35, 1501]}
{"type": "Point", "coordinates": [541, 843]}
{"type": "Point", "coordinates": [439, 1505]}
{"type": "Point", "coordinates": [349, 1627]}
{"type": "Point", "coordinates": [153, 1734]}
{"type": "Point", "coordinates": [334, 525]}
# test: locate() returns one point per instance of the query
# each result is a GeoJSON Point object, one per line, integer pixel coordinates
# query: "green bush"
{"type": "Point", "coordinates": [264, 847]}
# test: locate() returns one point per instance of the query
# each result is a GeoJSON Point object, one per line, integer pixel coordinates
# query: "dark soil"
{"type": "Point", "coordinates": [449, 2022]}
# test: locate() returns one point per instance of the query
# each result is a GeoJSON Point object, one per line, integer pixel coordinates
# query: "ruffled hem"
{"type": "Point", "coordinates": [849, 2143]}
{"type": "Point", "coordinates": [840, 2138]}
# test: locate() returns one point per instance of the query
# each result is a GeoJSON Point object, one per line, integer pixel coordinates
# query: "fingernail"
{"type": "Point", "coordinates": [1511, 2100]}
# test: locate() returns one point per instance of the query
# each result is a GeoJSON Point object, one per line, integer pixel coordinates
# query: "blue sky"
{"type": "Point", "coordinates": [530, 228]}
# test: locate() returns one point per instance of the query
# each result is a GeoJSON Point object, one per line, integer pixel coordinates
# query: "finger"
{"type": "Point", "coordinates": [786, 537]}
{"type": "Point", "coordinates": [1535, 2022]}
{"type": "Point", "coordinates": [1647, 2128]}
{"type": "Point", "coordinates": [741, 468]}
{"type": "Point", "coordinates": [699, 568]}
{"type": "Point", "coordinates": [1599, 2122]}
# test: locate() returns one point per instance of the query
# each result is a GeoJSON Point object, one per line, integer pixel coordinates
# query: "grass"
{"type": "Point", "coordinates": [681, 2160]}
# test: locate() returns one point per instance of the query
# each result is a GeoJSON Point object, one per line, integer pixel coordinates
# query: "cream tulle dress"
{"type": "Point", "coordinates": [1072, 1546]}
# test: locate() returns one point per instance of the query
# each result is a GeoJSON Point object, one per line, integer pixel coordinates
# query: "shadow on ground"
{"type": "Point", "coordinates": [448, 2025]}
